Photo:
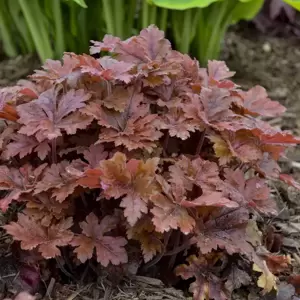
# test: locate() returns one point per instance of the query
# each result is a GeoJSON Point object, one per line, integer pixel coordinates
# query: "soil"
{"type": "Point", "coordinates": [11, 70]}
{"type": "Point", "coordinates": [258, 60]}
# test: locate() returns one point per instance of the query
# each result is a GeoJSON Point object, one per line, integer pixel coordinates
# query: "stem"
{"type": "Point", "coordinates": [130, 17]}
{"type": "Point", "coordinates": [59, 28]}
{"type": "Point", "coordinates": [6, 36]}
{"type": "Point", "coordinates": [84, 43]}
{"type": "Point", "coordinates": [163, 19]}
{"type": "Point", "coordinates": [175, 28]}
{"type": "Point", "coordinates": [73, 22]}
{"type": "Point", "coordinates": [33, 16]}
{"type": "Point", "coordinates": [145, 14]}
{"type": "Point", "coordinates": [194, 25]}
{"type": "Point", "coordinates": [201, 36]}
{"type": "Point", "coordinates": [200, 143]}
{"type": "Point", "coordinates": [119, 17]}
{"type": "Point", "coordinates": [186, 37]}
{"type": "Point", "coordinates": [108, 16]}
{"type": "Point", "coordinates": [179, 249]}
{"type": "Point", "coordinates": [160, 256]}
{"type": "Point", "coordinates": [220, 12]}
{"type": "Point", "coordinates": [14, 11]}
{"type": "Point", "coordinates": [54, 154]}
{"type": "Point", "coordinates": [153, 13]}
{"type": "Point", "coordinates": [176, 244]}
{"type": "Point", "coordinates": [165, 144]}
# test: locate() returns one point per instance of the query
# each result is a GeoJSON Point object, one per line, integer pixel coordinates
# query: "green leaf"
{"type": "Point", "coordinates": [293, 3]}
{"type": "Point", "coordinates": [246, 10]}
{"type": "Point", "coordinates": [80, 2]}
{"type": "Point", "coordinates": [182, 4]}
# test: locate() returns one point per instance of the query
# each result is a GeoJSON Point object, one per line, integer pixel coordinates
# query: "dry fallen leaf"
{"type": "Point", "coordinates": [266, 280]}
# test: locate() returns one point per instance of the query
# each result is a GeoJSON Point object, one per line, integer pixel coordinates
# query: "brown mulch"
{"type": "Point", "coordinates": [11, 70]}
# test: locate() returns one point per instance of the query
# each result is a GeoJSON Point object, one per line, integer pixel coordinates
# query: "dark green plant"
{"type": "Point", "coordinates": [203, 23]}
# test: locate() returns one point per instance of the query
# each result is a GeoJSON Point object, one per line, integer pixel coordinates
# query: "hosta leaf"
{"type": "Point", "coordinates": [182, 4]}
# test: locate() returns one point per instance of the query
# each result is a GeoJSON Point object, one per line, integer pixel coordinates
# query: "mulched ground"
{"type": "Point", "coordinates": [257, 59]}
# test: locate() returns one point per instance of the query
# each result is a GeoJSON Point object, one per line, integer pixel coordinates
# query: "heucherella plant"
{"type": "Point", "coordinates": [143, 154]}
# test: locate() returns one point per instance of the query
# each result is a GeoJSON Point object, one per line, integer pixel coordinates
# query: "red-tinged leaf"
{"type": "Point", "coordinates": [18, 182]}
{"type": "Point", "coordinates": [150, 45]}
{"type": "Point", "coordinates": [273, 138]}
{"type": "Point", "coordinates": [199, 172]}
{"type": "Point", "coordinates": [8, 112]}
{"type": "Point", "coordinates": [177, 124]}
{"type": "Point", "coordinates": [151, 241]}
{"type": "Point", "coordinates": [210, 108]}
{"type": "Point", "coordinates": [50, 113]}
{"type": "Point", "coordinates": [278, 263]}
{"type": "Point", "coordinates": [135, 128]}
{"type": "Point", "coordinates": [169, 211]}
{"type": "Point", "coordinates": [267, 166]}
{"type": "Point", "coordinates": [288, 179]}
{"type": "Point", "coordinates": [109, 249]}
{"type": "Point", "coordinates": [44, 209]}
{"type": "Point", "coordinates": [53, 177]}
{"type": "Point", "coordinates": [119, 70]}
{"type": "Point", "coordinates": [262, 130]}
{"type": "Point", "coordinates": [8, 95]}
{"type": "Point", "coordinates": [115, 177]}
{"type": "Point", "coordinates": [241, 144]}
{"type": "Point", "coordinates": [74, 122]}
{"type": "Point", "coordinates": [94, 155]}
{"type": "Point", "coordinates": [215, 199]}
{"type": "Point", "coordinates": [294, 279]}
{"type": "Point", "coordinates": [30, 90]}
{"type": "Point", "coordinates": [62, 178]}
{"type": "Point", "coordinates": [93, 68]}
{"type": "Point", "coordinates": [225, 230]}
{"type": "Point", "coordinates": [45, 239]}
{"type": "Point", "coordinates": [108, 44]}
{"type": "Point", "coordinates": [207, 285]}
{"type": "Point", "coordinates": [90, 179]}
{"type": "Point", "coordinates": [255, 102]}
{"type": "Point", "coordinates": [5, 135]}
{"type": "Point", "coordinates": [252, 192]}
{"type": "Point", "coordinates": [252, 146]}
{"type": "Point", "coordinates": [237, 278]}
{"type": "Point", "coordinates": [118, 99]}
{"type": "Point", "coordinates": [134, 206]}
{"type": "Point", "coordinates": [135, 179]}
{"type": "Point", "coordinates": [217, 70]}
{"type": "Point", "coordinates": [55, 70]}
{"type": "Point", "coordinates": [23, 145]}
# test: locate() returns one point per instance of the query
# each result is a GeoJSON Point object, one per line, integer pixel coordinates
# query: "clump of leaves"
{"type": "Point", "coordinates": [142, 147]}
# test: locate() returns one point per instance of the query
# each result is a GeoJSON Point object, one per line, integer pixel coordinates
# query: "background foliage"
{"type": "Point", "coordinates": [51, 27]}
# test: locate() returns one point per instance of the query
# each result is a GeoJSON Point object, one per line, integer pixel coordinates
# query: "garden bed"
{"type": "Point", "coordinates": [271, 62]}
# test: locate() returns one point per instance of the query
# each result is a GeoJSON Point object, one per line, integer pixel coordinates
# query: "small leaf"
{"type": "Point", "coordinates": [109, 249]}
{"type": "Point", "coordinates": [45, 239]}
{"type": "Point", "coordinates": [207, 285]}
{"type": "Point", "coordinates": [266, 281]}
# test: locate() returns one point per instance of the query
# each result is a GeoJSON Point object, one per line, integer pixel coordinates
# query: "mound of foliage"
{"type": "Point", "coordinates": [141, 156]}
